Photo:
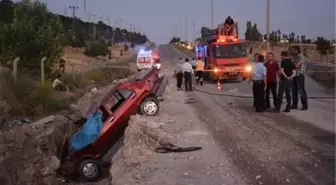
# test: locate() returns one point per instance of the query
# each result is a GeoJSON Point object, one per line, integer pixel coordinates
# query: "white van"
{"type": "Point", "coordinates": [144, 60]}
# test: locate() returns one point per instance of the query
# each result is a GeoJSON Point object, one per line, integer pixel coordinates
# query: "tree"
{"type": "Point", "coordinates": [303, 38]}
{"type": "Point", "coordinates": [32, 34]}
{"type": "Point", "coordinates": [252, 33]}
{"type": "Point", "coordinates": [174, 40]}
{"type": "Point", "coordinates": [96, 48]}
{"type": "Point", "coordinates": [291, 37]}
{"type": "Point", "coordinates": [323, 46]}
{"type": "Point", "coordinates": [279, 35]}
{"type": "Point", "coordinates": [204, 31]}
{"type": "Point", "coordinates": [248, 33]}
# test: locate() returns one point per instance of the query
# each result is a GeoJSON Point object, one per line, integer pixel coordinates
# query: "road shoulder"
{"type": "Point", "coordinates": [137, 163]}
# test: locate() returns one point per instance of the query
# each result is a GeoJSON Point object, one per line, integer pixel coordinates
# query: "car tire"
{"type": "Point", "coordinates": [150, 106]}
{"type": "Point", "coordinates": [89, 170]}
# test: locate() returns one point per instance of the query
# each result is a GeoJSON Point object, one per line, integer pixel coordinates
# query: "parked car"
{"type": "Point", "coordinates": [139, 94]}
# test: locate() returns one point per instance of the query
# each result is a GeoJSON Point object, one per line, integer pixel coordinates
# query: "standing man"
{"type": "Point", "coordinates": [179, 75]}
{"type": "Point", "coordinates": [193, 63]}
{"type": "Point", "coordinates": [199, 71]}
{"type": "Point", "coordinates": [300, 62]}
{"type": "Point", "coordinates": [259, 79]}
{"type": "Point", "coordinates": [188, 71]}
{"type": "Point", "coordinates": [287, 73]}
{"type": "Point", "coordinates": [256, 55]}
{"type": "Point", "coordinates": [272, 67]}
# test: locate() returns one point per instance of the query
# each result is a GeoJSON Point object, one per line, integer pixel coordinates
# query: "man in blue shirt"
{"type": "Point", "coordinates": [259, 79]}
{"type": "Point", "coordinates": [255, 58]}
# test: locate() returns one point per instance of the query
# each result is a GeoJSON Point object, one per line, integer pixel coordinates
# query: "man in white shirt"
{"type": "Point", "coordinates": [188, 71]}
{"type": "Point", "coordinates": [58, 84]}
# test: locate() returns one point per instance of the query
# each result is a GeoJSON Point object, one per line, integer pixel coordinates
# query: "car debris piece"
{"type": "Point", "coordinates": [170, 148]}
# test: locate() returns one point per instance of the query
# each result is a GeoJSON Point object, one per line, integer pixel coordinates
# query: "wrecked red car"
{"type": "Point", "coordinates": [139, 94]}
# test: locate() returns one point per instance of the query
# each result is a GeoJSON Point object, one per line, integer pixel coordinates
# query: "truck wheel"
{"type": "Point", "coordinates": [89, 170]}
{"type": "Point", "coordinates": [150, 106]}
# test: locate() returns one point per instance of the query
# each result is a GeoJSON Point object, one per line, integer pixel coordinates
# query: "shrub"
{"type": "Point", "coordinates": [75, 80]}
{"type": "Point", "coordinates": [96, 48]}
{"type": "Point", "coordinates": [25, 97]}
{"type": "Point", "coordinates": [95, 76]}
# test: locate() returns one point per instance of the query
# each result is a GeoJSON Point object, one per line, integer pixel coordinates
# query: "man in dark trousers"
{"type": "Point", "coordinates": [179, 74]}
{"type": "Point", "coordinates": [259, 79]}
{"type": "Point", "coordinates": [300, 62]}
{"type": "Point", "coordinates": [188, 71]}
{"type": "Point", "coordinates": [272, 67]}
{"type": "Point", "coordinates": [287, 73]}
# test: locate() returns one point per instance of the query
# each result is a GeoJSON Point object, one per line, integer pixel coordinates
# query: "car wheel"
{"type": "Point", "coordinates": [150, 106]}
{"type": "Point", "coordinates": [89, 170]}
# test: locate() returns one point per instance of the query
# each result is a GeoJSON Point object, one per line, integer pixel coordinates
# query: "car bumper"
{"type": "Point", "coordinates": [231, 75]}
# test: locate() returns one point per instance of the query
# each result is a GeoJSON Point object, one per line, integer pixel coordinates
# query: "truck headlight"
{"type": "Point", "coordinates": [215, 70]}
{"type": "Point", "coordinates": [158, 66]}
{"type": "Point", "coordinates": [248, 68]}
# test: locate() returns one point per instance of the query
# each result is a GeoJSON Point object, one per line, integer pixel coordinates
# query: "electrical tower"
{"type": "Point", "coordinates": [74, 8]}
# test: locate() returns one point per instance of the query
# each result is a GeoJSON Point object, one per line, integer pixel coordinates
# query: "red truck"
{"type": "Point", "coordinates": [224, 55]}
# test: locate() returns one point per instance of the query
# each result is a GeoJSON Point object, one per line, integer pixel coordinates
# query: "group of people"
{"type": "Point", "coordinates": [186, 69]}
{"type": "Point", "coordinates": [291, 73]}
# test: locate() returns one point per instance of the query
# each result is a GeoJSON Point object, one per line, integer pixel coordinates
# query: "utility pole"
{"type": "Point", "coordinates": [65, 12]}
{"type": "Point", "coordinates": [180, 30]}
{"type": "Point", "coordinates": [212, 14]}
{"type": "Point", "coordinates": [268, 26]}
{"type": "Point", "coordinates": [74, 8]}
{"type": "Point", "coordinates": [114, 30]}
{"type": "Point", "coordinates": [108, 24]}
{"type": "Point", "coordinates": [194, 25]}
{"type": "Point", "coordinates": [93, 25]}
{"type": "Point", "coordinates": [131, 27]}
{"type": "Point", "coordinates": [185, 27]}
{"type": "Point", "coordinates": [84, 5]}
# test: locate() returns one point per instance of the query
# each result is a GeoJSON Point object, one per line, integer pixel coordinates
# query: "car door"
{"type": "Point", "coordinates": [117, 107]}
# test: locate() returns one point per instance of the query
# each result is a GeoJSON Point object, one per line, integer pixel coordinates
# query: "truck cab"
{"type": "Point", "coordinates": [224, 55]}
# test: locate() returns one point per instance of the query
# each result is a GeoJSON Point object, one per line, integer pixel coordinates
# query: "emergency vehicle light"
{"type": "Point", "coordinates": [143, 51]}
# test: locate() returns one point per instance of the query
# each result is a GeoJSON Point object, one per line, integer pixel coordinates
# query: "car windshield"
{"type": "Point", "coordinates": [229, 51]}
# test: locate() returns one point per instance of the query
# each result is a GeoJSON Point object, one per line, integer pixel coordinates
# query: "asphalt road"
{"type": "Point", "coordinates": [296, 148]}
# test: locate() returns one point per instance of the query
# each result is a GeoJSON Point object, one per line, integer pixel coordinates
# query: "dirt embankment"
{"type": "Point", "coordinates": [28, 152]}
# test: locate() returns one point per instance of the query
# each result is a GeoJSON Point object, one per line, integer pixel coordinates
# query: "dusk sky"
{"type": "Point", "coordinates": [157, 18]}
